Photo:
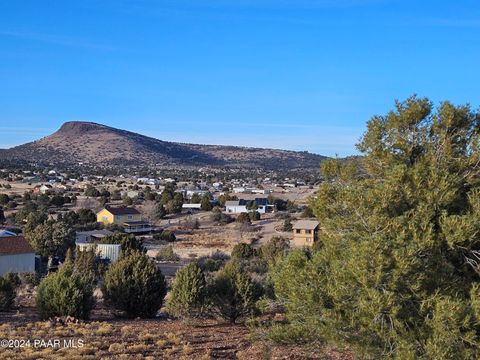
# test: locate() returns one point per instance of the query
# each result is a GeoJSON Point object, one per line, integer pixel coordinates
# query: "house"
{"type": "Point", "coordinates": [43, 189]}
{"type": "Point", "coordinates": [109, 252]}
{"type": "Point", "coordinates": [304, 232]}
{"type": "Point", "coordinates": [128, 217]}
{"type": "Point", "coordinates": [190, 193]}
{"type": "Point", "coordinates": [190, 207]}
{"type": "Point", "coordinates": [240, 206]}
{"type": "Point", "coordinates": [86, 240]}
{"type": "Point", "coordinates": [16, 255]}
{"type": "Point", "coordinates": [118, 215]}
{"type": "Point", "coordinates": [91, 236]}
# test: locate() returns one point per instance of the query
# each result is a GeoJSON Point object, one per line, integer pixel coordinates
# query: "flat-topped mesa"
{"type": "Point", "coordinates": [80, 127]}
{"type": "Point", "coordinates": [100, 145]}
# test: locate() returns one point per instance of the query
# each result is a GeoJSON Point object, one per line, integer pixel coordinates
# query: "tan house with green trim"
{"type": "Point", "coordinates": [304, 232]}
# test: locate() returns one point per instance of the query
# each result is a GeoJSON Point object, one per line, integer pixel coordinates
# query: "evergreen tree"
{"type": "Point", "coordinates": [7, 294]}
{"type": "Point", "coordinates": [66, 293]}
{"type": "Point", "coordinates": [188, 295]}
{"type": "Point", "coordinates": [205, 204]}
{"type": "Point", "coordinates": [396, 270]}
{"type": "Point", "coordinates": [232, 293]}
{"type": "Point", "coordinates": [135, 285]}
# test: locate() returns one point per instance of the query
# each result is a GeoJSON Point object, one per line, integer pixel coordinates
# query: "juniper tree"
{"type": "Point", "coordinates": [232, 293]}
{"type": "Point", "coordinates": [396, 270]}
{"type": "Point", "coordinates": [135, 285]}
{"type": "Point", "coordinates": [188, 296]}
{"type": "Point", "coordinates": [66, 293]}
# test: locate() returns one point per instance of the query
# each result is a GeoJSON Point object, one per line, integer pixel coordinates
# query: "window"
{"type": "Point", "coordinates": [297, 231]}
{"type": "Point", "coordinates": [308, 231]}
{"type": "Point", "coordinates": [130, 217]}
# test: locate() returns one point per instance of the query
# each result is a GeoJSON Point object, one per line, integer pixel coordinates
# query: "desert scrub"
{"type": "Point", "coordinates": [173, 338]}
{"type": "Point", "coordinates": [126, 331]}
{"type": "Point", "coordinates": [104, 329]}
{"type": "Point", "coordinates": [117, 348]}
{"type": "Point", "coordinates": [148, 338]}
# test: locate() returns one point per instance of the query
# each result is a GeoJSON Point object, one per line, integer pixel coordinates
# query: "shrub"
{"type": "Point", "coordinates": [65, 293]}
{"type": "Point", "coordinates": [276, 248]}
{"type": "Point", "coordinates": [213, 262]}
{"type": "Point", "coordinates": [307, 212]}
{"type": "Point", "coordinates": [7, 294]}
{"type": "Point", "coordinates": [166, 253]}
{"type": "Point", "coordinates": [29, 278]}
{"type": "Point", "coordinates": [13, 278]}
{"type": "Point", "coordinates": [231, 293]}
{"type": "Point", "coordinates": [243, 218]}
{"type": "Point", "coordinates": [220, 217]}
{"type": "Point", "coordinates": [243, 251]}
{"type": "Point", "coordinates": [168, 235]}
{"type": "Point", "coordinates": [135, 285]}
{"type": "Point", "coordinates": [287, 225]}
{"type": "Point", "coordinates": [254, 215]}
{"type": "Point", "coordinates": [188, 294]}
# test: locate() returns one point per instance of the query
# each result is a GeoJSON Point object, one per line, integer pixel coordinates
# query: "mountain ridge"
{"type": "Point", "coordinates": [101, 145]}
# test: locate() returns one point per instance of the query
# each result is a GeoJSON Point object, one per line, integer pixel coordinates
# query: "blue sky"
{"type": "Point", "coordinates": [297, 74]}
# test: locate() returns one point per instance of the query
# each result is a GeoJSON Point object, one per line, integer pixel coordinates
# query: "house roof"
{"type": "Point", "coordinates": [102, 232]}
{"type": "Point", "coordinates": [12, 245]}
{"type": "Point", "coordinates": [306, 224]}
{"type": "Point", "coordinates": [5, 233]}
{"type": "Point", "coordinates": [122, 210]}
{"type": "Point", "coordinates": [243, 202]}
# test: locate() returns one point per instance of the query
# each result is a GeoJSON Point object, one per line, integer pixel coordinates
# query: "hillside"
{"type": "Point", "coordinates": [95, 144]}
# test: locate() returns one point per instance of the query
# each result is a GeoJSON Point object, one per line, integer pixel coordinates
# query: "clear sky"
{"type": "Point", "coordinates": [293, 74]}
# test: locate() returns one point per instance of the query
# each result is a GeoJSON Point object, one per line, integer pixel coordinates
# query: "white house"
{"type": "Point", "coordinates": [16, 255]}
{"type": "Point", "coordinates": [105, 251]}
{"type": "Point", "coordinates": [192, 206]}
{"type": "Point", "coordinates": [190, 193]}
{"type": "Point", "coordinates": [240, 206]}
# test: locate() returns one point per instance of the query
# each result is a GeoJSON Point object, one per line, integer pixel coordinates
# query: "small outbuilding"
{"type": "Point", "coordinates": [16, 255]}
{"type": "Point", "coordinates": [305, 232]}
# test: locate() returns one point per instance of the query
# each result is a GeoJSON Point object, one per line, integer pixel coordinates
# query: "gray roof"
{"type": "Point", "coordinates": [306, 224]}
{"type": "Point", "coordinates": [97, 233]}
{"type": "Point", "coordinates": [232, 203]}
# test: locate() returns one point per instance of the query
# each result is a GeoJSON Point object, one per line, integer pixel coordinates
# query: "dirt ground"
{"type": "Point", "coordinates": [108, 337]}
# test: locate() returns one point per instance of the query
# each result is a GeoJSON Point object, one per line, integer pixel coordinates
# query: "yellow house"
{"type": "Point", "coordinates": [304, 232]}
{"type": "Point", "coordinates": [118, 215]}
{"type": "Point", "coordinates": [128, 217]}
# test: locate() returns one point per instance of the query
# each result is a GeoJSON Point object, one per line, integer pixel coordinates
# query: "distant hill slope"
{"type": "Point", "coordinates": [101, 145]}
